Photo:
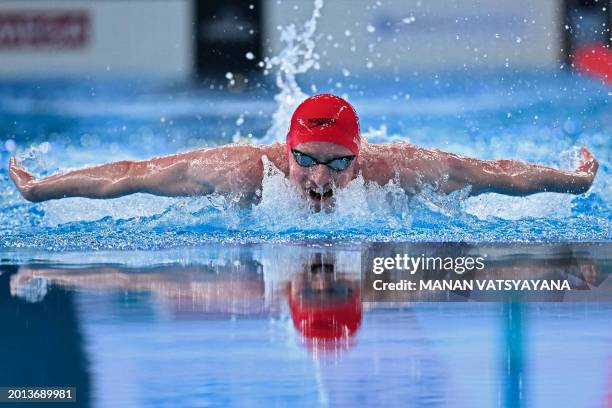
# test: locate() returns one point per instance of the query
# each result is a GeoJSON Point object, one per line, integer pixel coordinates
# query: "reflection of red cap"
{"type": "Point", "coordinates": [327, 320]}
{"type": "Point", "coordinates": [325, 118]}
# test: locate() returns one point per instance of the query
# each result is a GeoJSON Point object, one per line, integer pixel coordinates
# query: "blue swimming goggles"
{"type": "Point", "coordinates": [336, 164]}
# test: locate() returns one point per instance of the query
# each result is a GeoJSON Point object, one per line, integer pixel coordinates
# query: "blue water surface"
{"type": "Point", "coordinates": [54, 125]}
{"type": "Point", "coordinates": [213, 326]}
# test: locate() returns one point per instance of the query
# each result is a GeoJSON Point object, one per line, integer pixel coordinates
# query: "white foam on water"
{"type": "Point", "coordinates": [280, 206]}
{"type": "Point", "coordinates": [359, 204]}
{"type": "Point", "coordinates": [543, 205]}
{"type": "Point", "coordinates": [68, 210]}
{"type": "Point", "coordinates": [449, 205]}
{"type": "Point", "coordinates": [570, 159]}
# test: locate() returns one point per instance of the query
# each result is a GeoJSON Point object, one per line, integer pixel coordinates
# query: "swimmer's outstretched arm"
{"type": "Point", "coordinates": [170, 283]}
{"type": "Point", "coordinates": [226, 169]}
{"type": "Point", "coordinates": [517, 178]}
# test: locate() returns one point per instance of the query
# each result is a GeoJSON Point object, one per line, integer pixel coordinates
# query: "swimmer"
{"type": "Point", "coordinates": [323, 152]}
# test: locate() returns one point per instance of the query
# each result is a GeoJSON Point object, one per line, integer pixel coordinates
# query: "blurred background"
{"type": "Point", "coordinates": [208, 39]}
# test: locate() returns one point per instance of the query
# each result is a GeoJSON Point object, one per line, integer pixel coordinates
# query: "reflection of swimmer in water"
{"type": "Point", "coordinates": [185, 290]}
{"type": "Point", "coordinates": [323, 151]}
{"type": "Point", "coordinates": [324, 303]}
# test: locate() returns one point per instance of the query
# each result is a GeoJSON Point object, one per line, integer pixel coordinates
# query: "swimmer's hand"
{"type": "Point", "coordinates": [24, 180]}
{"type": "Point", "coordinates": [586, 171]}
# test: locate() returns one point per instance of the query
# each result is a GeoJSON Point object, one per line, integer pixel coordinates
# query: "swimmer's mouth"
{"type": "Point", "coordinates": [315, 195]}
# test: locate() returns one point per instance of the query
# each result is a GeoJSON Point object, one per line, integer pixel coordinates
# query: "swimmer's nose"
{"type": "Point", "coordinates": [320, 176]}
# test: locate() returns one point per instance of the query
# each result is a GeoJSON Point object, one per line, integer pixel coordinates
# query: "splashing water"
{"type": "Point", "coordinates": [359, 204]}
{"type": "Point", "coordinates": [65, 128]}
{"type": "Point", "coordinates": [364, 212]}
{"type": "Point", "coordinates": [297, 57]}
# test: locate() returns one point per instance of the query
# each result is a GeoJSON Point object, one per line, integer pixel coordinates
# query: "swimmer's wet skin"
{"type": "Point", "coordinates": [323, 152]}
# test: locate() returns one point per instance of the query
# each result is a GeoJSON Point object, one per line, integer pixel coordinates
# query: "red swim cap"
{"type": "Point", "coordinates": [325, 118]}
{"type": "Point", "coordinates": [327, 320]}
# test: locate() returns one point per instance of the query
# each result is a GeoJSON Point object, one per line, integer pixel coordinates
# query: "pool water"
{"type": "Point", "coordinates": [55, 125]}
{"type": "Point", "coordinates": [152, 301]}
{"type": "Point", "coordinates": [215, 326]}
{"type": "Point", "coordinates": [156, 301]}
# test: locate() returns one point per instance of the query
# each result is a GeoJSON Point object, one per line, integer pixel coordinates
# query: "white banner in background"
{"type": "Point", "coordinates": [94, 37]}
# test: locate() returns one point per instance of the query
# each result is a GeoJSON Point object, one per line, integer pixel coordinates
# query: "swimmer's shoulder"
{"type": "Point", "coordinates": [380, 161]}
{"type": "Point", "coordinates": [277, 154]}
{"type": "Point", "coordinates": [399, 153]}
{"type": "Point", "coordinates": [238, 161]}
{"type": "Point", "coordinates": [380, 151]}
{"type": "Point", "coordinates": [249, 158]}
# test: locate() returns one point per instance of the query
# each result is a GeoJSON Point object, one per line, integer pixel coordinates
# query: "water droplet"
{"type": "Point", "coordinates": [9, 145]}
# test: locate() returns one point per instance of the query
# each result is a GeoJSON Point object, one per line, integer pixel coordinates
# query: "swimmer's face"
{"type": "Point", "coordinates": [317, 183]}
{"type": "Point", "coordinates": [320, 284]}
